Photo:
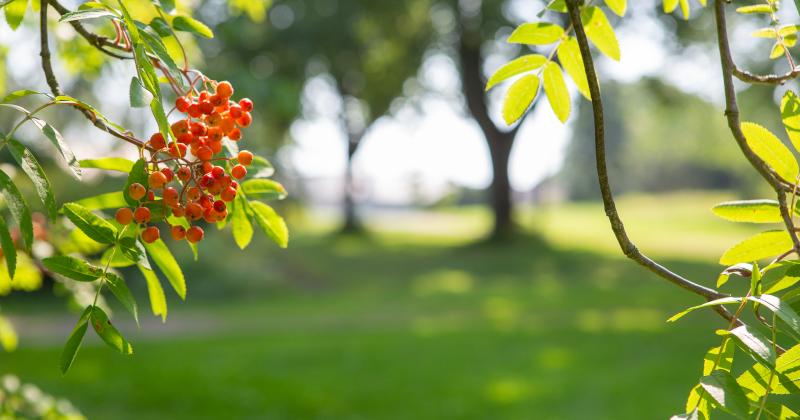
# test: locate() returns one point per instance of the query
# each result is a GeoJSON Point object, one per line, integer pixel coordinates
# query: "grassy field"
{"type": "Point", "coordinates": [418, 320]}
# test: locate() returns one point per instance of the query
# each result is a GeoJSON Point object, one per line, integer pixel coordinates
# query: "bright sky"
{"type": "Point", "coordinates": [433, 143]}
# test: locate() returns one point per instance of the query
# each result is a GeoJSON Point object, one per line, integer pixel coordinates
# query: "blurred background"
{"type": "Point", "coordinates": [441, 264]}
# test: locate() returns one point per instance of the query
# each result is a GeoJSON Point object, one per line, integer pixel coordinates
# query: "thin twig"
{"type": "Point", "coordinates": [628, 248]}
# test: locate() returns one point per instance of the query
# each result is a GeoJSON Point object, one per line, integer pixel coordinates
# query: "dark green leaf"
{"type": "Point", "coordinates": [18, 207]}
{"type": "Point", "coordinates": [93, 226]}
{"type": "Point", "coordinates": [72, 268]}
{"type": "Point", "coordinates": [9, 251]}
{"type": "Point", "coordinates": [721, 386]}
{"type": "Point", "coordinates": [755, 343]}
{"type": "Point", "coordinates": [31, 167]}
{"type": "Point", "coordinates": [55, 137]}
{"type": "Point", "coordinates": [136, 175]}
{"type": "Point", "coordinates": [139, 96]}
{"type": "Point", "coordinates": [13, 96]}
{"type": "Point", "coordinates": [133, 250]}
{"type": "Point", "coordinates": [161, 27]}
{"type": "Point", "coordinates": [123, 294]}
{"type": "Point", "coordinates": [106, 330]}
{"type": "Point", "coordinates": [74, 341]}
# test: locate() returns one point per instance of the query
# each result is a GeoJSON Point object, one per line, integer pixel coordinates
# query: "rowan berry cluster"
{"type": "Point", "coordinates": [194, 180]}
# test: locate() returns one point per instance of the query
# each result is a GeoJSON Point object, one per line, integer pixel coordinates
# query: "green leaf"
{"type": "Point", "coordinates": [618, 6]}
{"type": "Point", "coordinates": [15, 12]}
{"type": "Point", "coordinates": [63, 99]}
{"type": "Point", "coordinates": [130, 24]}
{"type": "Point", "coordinates": [241, 227]}
{"type": "Point", "coordinates": [778, 51]}
{"type": "Point", "coordinates": [270, 222]}
{"type": "Point", "coordinates": [790, 114]}
{"type": "Point", "coordinates": [136, 175]}
{"type": "Point", "coordinates": [670, 5]}
{"type": "Point", "coordinates": [720, 358]}
{"type": "Point", "coordinates": [716, 302]}
{"type": "Point", "coordinates": [13, 96]}
{"type": "Point", "coordinates": [556, 91]}
{"type": "Point", "coordinates": [123, 294]}
{"type": "Point", "coordinates": [188, 24]}
{"type": "Point", "coordinates": [769, 33]}
{"type": "Point", "coordinates": [763, 245]}
{"type": "Point", "coordinates": [771, 150]}
{"type": "Point", "coordinates": [781, 309]}
{"type": "Point", "coordinates": [8, 336]}
{"type": "Point", "coordinates": [158, 301]}
{"type": "Point", "coordinates": [18, 207]}
{"type": "Point", "coordinates": [7, 246]}
{"type": "Point", "coordinates": [106, 330]}
{"type": "Point", "coordinates": [31, 167]}
{"type": "Point", "coordinates": [569, 54]}
{"type": "Point", "coordinates": [264, 188]}
{"type": "Point", "coordinates": [724, 390]}
{"type": "Point", "coordinates": [156, 45]}
{"type": "Point", "coordinates": [540, 33]}
{"type": "Point", "coordinates": [109, 164]}
{"type": "Point", "coordinates": [161, 27]}
{"type": "Point", "coordinates": [749, 211]}
{"type": "Point", "coordinates": [163, 258]}
{"type": "Point", "coordinates": [86, 14]}
{"type": "Point", "coordinates": [514, 67]}
{"type": "Point", "coordinates": [519, 97]}
{"type": "Point", "coordinates": [785, 381]}
{"type": "Point", "coordinates": [697, 405]}
{"type": "Point", "coordinates": [139, 96]}
{"type": "Point", "coordinates": [754, 343]}
{"type": "Point", "coordinates": [740, 269]}
{"type": "Point", "coordinates": [110, 200]}
{"type": "Point", "coordinates": [134, 251]}
{"type": "Point", "coordinates": [63, 148]}
{"type": "Point", "coordinates": [72, 268]}
{"type": "Point", "coordinates": [93, 226]}
{"type": "Point", "coordinates": [600, 32]}
{"type": "Point", "coordinates": [74, 341]}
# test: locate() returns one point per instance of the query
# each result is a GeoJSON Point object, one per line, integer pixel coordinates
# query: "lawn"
{"type": "Point", "coordinates": [411, 323]}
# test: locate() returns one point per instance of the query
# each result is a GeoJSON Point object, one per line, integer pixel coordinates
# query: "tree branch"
{"type": "Point", "coordinates": [52, 81]}
{"type": "Point", "coordinates": [766, 79]}
{"type": "Point", "coordinates": [99, 42]}
{"type": "Point", "coordinates": [628, 248]}
{"type": "Point", "coordinates": [734, 123]}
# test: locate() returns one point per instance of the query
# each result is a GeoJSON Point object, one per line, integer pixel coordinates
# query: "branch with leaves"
{"type": "Point", "coordinates": [190, 175]}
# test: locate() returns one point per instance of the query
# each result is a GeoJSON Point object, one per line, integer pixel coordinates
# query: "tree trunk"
{"type": "Point", "coordinates": [351, 221]}
{"type": "Point", "coordinates": [500, 142]}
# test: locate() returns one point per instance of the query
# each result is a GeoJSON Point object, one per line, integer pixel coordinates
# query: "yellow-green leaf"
{"type": "Point", "coordinates": [749, 211]}
{"type": "Point", "coordinates": [765, 33]}
{"type": "Point", "coordinates": [569, 54]}
{"type": "Point", "coordinates": [163, 258]}
{"type": "Point", "coordinates": [778, 50]}
{"type": "Point", "coordinates": [790, 114]}
{"type": "Point", "coordinates": [618, 6]}
{"type": "Point", "coordinates": [670, 5]}
{"type": "Point", "coordinates": [540, 33]}
{"type": "Point", "coordinates": [270, 222]}
{"type": "Point", "coordinates": [756, 8]}
{"type": "Point", "coordinates": [763, 245]}
{"type": "Point", "coordinates": [519, 97]}
{"type": "Point", "coordinates": [771, 150]}
{"type": "Point", "coordinates": [514, 67]}
{"type": "Point", "coordinates": [600, 32]}
{"type": "Point", "coordinates": [556, 91]}
{"type": "Point", "coordinates": [15, 12]}
{"type": "Point", "coordinates": [158, 301]}
{"type": "Point", "coordinates": [241, 227]}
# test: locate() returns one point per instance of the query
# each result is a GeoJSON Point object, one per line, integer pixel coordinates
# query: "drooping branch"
{"type": "Point", "coordinates": [100, 42]}
{"type": "Point", "coordinates": [55, 88]}
{"type": "Point", "coordinates": [734, 123]}
{"type": "Point", "coordinates": [628, 247]}
{"type": "Point", "coordinates": [765, 79]}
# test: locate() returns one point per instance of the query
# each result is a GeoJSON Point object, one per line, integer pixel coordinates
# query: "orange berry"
{"type": "Point", "coordinates": [216, 146]}
{"type": "Point", "coordinates": [227, 124]}
{"type": "Point", "coordinates": [150, 234]}
{"type": "Point", "coordinates": [194, 211]}
{"type": "Point", "coordinates": [182, 103]}
{"type": "Point", "coordinates": [184, 173]}
{"type": "Point", "coordinates": [194, 234]}
{"type": "Point", "coordinates": [206, 107]}
{"type": "Point", "coordinates": [228, 194]}
{"type": "Point", "coordinates": [217, 100]}
{"type": "Point", "coordinates": [157, 141]}
{"type": "Point", "coordinates": [194, 111]}
{"type": "Point", "coordinates": [205, 153]}
{"type": "Point", "coordinates": [141, 215]}
{"type": "Point", "coordinates": [177, 150]}
{"type": "Point", "coordinates": [178, 232]}
{"type": "Point", "coordinates": [137, 191]}
{"type": "Point", "coordinates": [224, 89]}
{"type": "Point", "coordinates": [180, 127]}
{"type": "Point", "coordinates": [170, 196]}
{"type": "Point", "coordinates": [235, 111]}
{"type": "Point", "coordinates": [124, 216]}
{"type": "Point", "coordinates": [245, 157]}
{"type": "Point", "coordinates": [193, 193]}
{"type": "Point", "coordinates": [157, 180]}
{"type": "Point", "coordinates": [245, 120]}
{"type": "Point", "coordinates": [178, 211]}
{"type": "Point", "coordinates": [151, 196]}
{"type": "Point", "coordinates": [235, 134]}
{"type": "Point", "coordinates": [239, 171]}
{"type": "Point", "coordinates": [215, 134]}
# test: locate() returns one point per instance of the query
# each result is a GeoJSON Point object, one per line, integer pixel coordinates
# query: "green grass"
{"type": "Point", "coordinates": [425, 325]}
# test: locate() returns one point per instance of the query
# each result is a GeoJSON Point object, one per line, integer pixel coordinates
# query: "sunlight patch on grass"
{"type": "Point", "coordinates": [620, 320]}
{"type": "Point", "coordinates": [508, 390]}
{"type": "Point", "coordinates": [455, 282]}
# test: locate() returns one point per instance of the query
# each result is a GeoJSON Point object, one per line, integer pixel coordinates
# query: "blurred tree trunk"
{"type": "Point", "coordinates": [500, 142]}
{"type": "Point", "coordinates": [351, 224]}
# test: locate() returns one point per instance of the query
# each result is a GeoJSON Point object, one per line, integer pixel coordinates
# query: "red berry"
{"type": "Point", "coordinates": [206, 107]}
{"type": "Point", "coordinates": [170, 196]}
{"type": "Point", "coordinates": [178, 232]}
{"type": "Point", "coordinates": [195, 111]}
{"type": "Point", "coordinates": [245, 120]}
{"type": "Point", "coordinates": [141, 215]}
{"type": "Point", "coordinates": [184, 173]}
{"type": "Point", "coordinates": [168, 173]}
{"type": "Point", "coordinates": [215, 134]}
{"type": "Point", "coordinates": [157, 180]}
{"type": "Point", "coordinates": [194, 211]}
{"type": "Point", "coordinates": [239, 171]}
{"type": "Point", "coordinates": [151, 196]}
{"type": "Point", "coordinates": [177, 150]}
{"type": "Point", "coordinates": [245, 157]}
{"type": "Point", "coordinates": [150, 235]}
{"type": "Point", "coordinates": [235, 111]}
{"type": "Point", "coordinates": [157, 141]}
{"type": "Point", "coordinates": [186, 138]}
{"type": "Point", "coordinates": [137, 191]}
{"type": "Point", "coordinates": [194, 234]}
{"type": "Point", "coordinates": [235, 134]}
{"type": "Point", "coordinates": [206, 201]}
{"type": "Point", "coordinates": [180, 127]}
{"type": "Point", "coordinates": [124, 216]}
{"type": "Point", "coordinates": [228, 194]}
{"type": "Point", "coordinates": [217, 172]}
{"type": "Point", "coordinates": [178, 211]}
{"type": "Point", "coordinates": [219, 206]}
{"type": "Point", "coordinates": [224, 89]}
{"type": "Point", "coordinates": [246, 104]}
{"type": "Point", "coordinates": [198, 128]}
{"type": "Point", "coordinates": [193, 193]}
{"type": "Point", "coordinates": [182, 103]}
{"type": "Point", "coordinates": [206, 180]}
